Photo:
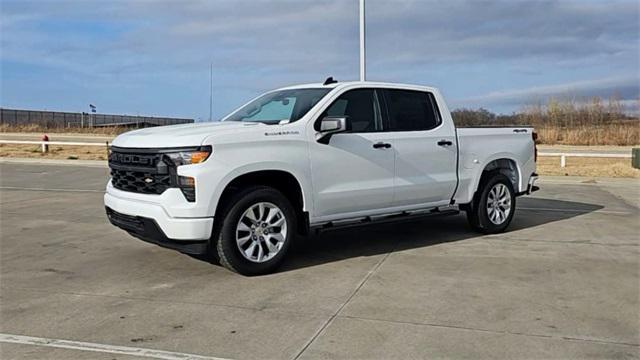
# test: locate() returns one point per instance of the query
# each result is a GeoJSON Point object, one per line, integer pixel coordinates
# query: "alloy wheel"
{"type": "Point", "coordinates": [261, 232]}
{"type": "Point", "coordinates": [499, 203]}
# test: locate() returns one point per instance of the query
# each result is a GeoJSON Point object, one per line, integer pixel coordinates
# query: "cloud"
{"type": "Point", "coordinates": [476, 30]}
{"type": "Point", "coordinates": [623, 87]}
{"type": "Point", "coordinates": [298, 38]}
{"type": "Point", "coordinates": [465, 47]}
{"type": "Point", "coordinates": [288, 35]}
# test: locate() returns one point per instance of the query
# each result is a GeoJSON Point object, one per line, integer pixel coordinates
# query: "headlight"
{"type": "Point", "coordinates": [186, 156]}
{"type": "Point", "coordinates": [190, 157]}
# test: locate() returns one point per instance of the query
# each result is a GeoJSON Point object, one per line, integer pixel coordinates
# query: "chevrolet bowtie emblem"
{"type": "Point", "coordinates": [148, 180]}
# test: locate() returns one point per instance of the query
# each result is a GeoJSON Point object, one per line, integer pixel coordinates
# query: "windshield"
{"type": "Point", "coordinates": [276, 106]}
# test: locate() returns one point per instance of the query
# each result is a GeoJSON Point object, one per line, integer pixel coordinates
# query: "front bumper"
{"type": "Point", "coordinates": [148, 230]}
{"type": "Point", "coordinates": [150, 222]}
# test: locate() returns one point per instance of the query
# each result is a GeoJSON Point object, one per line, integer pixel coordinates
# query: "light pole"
{"type": "Point", "coordinates": [363, 71]}
{"type": "Point", "coordinates": [211, 93]}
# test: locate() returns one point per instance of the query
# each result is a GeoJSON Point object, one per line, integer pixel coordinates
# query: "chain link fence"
{"type": "Point", "coordinates": [59, 119]}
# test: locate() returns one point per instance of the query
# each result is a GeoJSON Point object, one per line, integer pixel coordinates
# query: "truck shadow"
{"type": "Point", "coordinates": [337, 245]}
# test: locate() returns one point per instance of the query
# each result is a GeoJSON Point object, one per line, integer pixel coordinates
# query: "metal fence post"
{"type": "Point", "coordinates": [45, 147]}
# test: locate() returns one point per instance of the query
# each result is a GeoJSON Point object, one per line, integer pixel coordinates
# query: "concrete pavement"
{"type": "Point", "coordinates": [563, 283]}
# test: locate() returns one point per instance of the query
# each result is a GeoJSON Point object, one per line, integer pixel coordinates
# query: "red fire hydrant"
{"type": "Point", "coordinates": [45, 147]}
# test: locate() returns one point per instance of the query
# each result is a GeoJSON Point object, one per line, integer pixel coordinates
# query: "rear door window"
{"type": "Point", "coordinates": [411, 110]}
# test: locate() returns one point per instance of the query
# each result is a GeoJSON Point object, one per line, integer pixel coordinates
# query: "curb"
{"type": "Point", "coordinates": [584, 180]}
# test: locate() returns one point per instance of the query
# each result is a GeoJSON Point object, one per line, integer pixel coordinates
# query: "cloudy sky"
{"type": "Point", "coordinates": [153, 57]}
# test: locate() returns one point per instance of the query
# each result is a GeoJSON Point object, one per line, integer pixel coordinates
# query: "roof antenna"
{"type": "Point", "coordinates": [330, 81]}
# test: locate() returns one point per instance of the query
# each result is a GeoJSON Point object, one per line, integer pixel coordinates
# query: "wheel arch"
{"type": "Point", "coordinates": [503, 163]}
{"type": "Point", "coordinates": [282, 180]}
{"type": "Point", "coordinates": [506, 166]}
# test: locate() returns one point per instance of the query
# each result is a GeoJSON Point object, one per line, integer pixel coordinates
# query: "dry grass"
{"type": "Point", "coordinates": [55, 152]}
{"type": "Point", "coordinates": [569, 121]}
{"type": "Point", "coordinates": [576, 166]}
{"type": "Point", "coordinates": [33, 128]}
{"type": "Point", "coordinates": [621, 134]}
{"type": "Point", "coordinates": [595, 167]}
{"type": "Point", "coordinates": [592, 121]}
{"type": "Point", "coordinates": [627, 133]}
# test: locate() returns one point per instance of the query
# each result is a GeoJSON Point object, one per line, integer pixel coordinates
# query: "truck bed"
{"type": "Point", "coordinates": [479, 146]}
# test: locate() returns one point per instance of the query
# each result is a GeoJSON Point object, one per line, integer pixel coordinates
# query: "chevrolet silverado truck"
{"type": "Point", "coordinates": [306, 158]}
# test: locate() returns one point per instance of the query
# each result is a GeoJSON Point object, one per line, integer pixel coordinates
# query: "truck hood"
{"type": "Point", "coordinates": [178, 135]}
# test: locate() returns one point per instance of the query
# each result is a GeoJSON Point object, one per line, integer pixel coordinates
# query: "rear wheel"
{"type": "Point", "coordinates": [493, 205]}
{"type": "Point", "coordinates": [256, 231]}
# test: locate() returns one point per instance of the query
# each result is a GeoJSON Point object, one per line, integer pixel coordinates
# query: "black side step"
{"type": "Point", "coordinates": [396, 218]}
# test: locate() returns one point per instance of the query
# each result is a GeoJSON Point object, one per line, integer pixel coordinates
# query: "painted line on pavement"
{"type": "Point", "coordinates": [581, 211]}
{"type": "Point", "coordinates": [45, 189]}
{"type": "Point", "coordinates": [103, 348]}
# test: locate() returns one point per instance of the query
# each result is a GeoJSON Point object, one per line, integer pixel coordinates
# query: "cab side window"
{"type": "Point", "coordinates": [411, 110]}
{"type": "Point", "coordinates": [361, 106]}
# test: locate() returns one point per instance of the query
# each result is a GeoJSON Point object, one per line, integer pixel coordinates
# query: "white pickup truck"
{"type": "Point", "coordinates": [313, 157]}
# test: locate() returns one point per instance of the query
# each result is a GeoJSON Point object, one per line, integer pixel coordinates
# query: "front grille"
{"type": "Point", "coordinates": [140, 181]}
{"type": "Point", "coordinates": [140, 172]}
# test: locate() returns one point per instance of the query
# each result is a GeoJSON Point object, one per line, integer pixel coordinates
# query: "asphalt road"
{"type": "Point", "coordinates": [563, 283]}
{"type": "Point", "coordinates": [576, 149]}
{"type": "Point", "coordinates": [57, 137]}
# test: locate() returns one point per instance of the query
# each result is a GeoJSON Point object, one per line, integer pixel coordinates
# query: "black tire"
{"type": "Point", "coordinates": [477, 211]}
{"type": "Point", "coordinates": [472, 218]}
{"type": "Point", "coordinates": [226, 246]}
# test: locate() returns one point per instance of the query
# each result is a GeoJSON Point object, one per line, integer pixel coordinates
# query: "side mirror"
{"type": "Point", "coordinates": [332, 125]}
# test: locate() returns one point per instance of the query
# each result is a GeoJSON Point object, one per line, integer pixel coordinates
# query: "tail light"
{"type": "Point", "coordinates": [534, 136]}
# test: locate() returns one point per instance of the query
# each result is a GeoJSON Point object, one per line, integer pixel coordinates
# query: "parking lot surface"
{"type": "Point", "coordinates": [562, 283]}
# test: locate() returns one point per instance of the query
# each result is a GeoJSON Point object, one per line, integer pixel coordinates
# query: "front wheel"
{"type": "Point", "coordinates": [493, 205]}
{"type": "Point", "coordinates": [256, 232]}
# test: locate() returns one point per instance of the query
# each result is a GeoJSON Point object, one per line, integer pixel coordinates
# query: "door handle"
{"type": "Point", "coordinates": [445, 143]}
{"type": "Point", "coordinates": [381, 145]}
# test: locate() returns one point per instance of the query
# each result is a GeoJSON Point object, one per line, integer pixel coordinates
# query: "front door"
{"type": "Point", "coordinates": [354, 172]}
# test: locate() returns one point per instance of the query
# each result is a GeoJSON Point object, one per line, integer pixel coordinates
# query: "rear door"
{"type": "Point", "coordinates": [354, 173]}
{"type": "Point", "coordinates": [425, 148]}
